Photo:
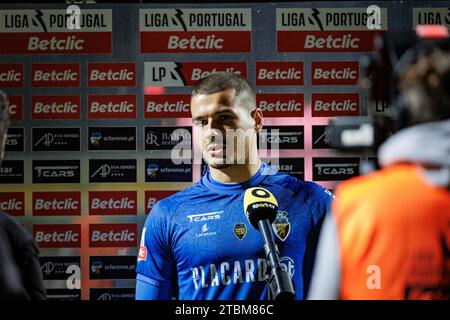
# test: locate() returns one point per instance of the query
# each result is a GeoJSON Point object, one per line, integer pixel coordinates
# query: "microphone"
{"type": "Point", "coordinates": [261, 209]}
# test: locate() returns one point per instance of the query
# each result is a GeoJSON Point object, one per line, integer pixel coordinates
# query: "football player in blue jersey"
{"type": "Point", "coordinates": [197, 243]}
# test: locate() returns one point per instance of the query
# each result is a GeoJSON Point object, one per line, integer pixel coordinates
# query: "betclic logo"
{"type": "Point", "coordinates": [112, 202]}
{"type": "Point", "coordinates": [112, 106]}
{"type": "Point", "coordinates": [57, 235]}
{"type": "Point", "coordinates": [112, 235]}
{"type": "Point", "coordinates": [11, 75]}
{"type": "Point", "coordinates": [55, 107]}
{"type": "Point", "coordinates": [58, 74]}
{"type": "Point", "coordinates": [13, 203]}
{"type": "Point", "coordinates": [112, 74]}
{"type": "Point", "coordinates": [56, 203]}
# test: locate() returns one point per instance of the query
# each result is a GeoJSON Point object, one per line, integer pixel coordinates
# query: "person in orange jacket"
{"type": "Point", "coordinates": [388, 235]}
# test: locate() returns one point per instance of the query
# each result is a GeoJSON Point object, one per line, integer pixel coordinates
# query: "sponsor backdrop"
{"type": "Point", "coordinates": [96, 111]}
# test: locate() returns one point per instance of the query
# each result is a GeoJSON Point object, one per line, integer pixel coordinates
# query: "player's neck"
{"type": "Point", "coordinates": [236, 173]}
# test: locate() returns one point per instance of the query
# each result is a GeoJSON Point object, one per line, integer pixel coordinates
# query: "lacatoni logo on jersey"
{"type": "Point", "coordinates": [328, 29]}
{"type": "Point", "coordinates": [46, 32]}
{"type": "Point", "coordinates": [56, 171]}
{"type": "Point", "coordinates": [320, 137]}
{"type": "Point", "coordinates": [11, 75]}
{"type": "Point", "coordinates": [335, 169]}
{"type": "Point", "coordinates": [291, 166]}
{"type": "Point", "coordinates": [164, 170]}
{"type": "Point", "coordinates": [54, 268]}
{"type": "Point", "coordinates": [235, 272]}
{"type": "Point", "coordinates": [113, 235]}
{"type": "Point", "coordinates": [195, 30]}
{"type": "Point", "coordinates": [56, 139]}
{"type": "Point", "coordinates": [15, 107]}
{"type": "Point", "coordinates": [11, 172]}
{"type": "Point", "coordinates": [112, 170]}
{"type": "Point", "coordinates": [112, 106]}
{"type": "Point", "coordinates": [13, 203]}
{"type": "Point", "coordinates": [151, 197]}
{"type": "Point", "coordinates": [334, 73]}
{"type": "Point", "coordinates": [112, 293]}
{"type": "Point", "coordinates": [166, 138]}
{"type": "Point", "coordinates": [284, 137]}
{"type": "Point", "coordinates": [55, 107]}
{"type": "Point", "coordinates": [439, 16]}
{"type": "Point", "coordinates": [281, 105]}
{"type": "Point", "coordinates": [180, 74]}
{"type": "Point", "coordinates": [112, 138]}
{"type": "Point", "coordinates": [14, 140]}
{"type": "Point", "coordinates": [112, 203]}
{"type": "Point", "coordinates": [55, 75]}
{"type": "Point", "coordinates": [57, 235]}
{"type": "Point", "coordinates": [277, 73]}
{"type": "Point", "coordinates": [335, 104]}
{"type": "Point", "coordinates": [167, 106]}
{"type": "Point", "coordinates": [56, 203]}
{"type": "Point", "coordinates": [120, 267]}
{"type": "Point", "coordinates": [112, 74]}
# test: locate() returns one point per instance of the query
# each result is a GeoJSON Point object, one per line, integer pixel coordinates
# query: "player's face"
{"type": "Point", "coordinates": [216, 116]}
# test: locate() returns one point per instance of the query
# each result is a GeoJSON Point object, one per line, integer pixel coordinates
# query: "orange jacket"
{"type": "Point", "coordinates": [393, 231]}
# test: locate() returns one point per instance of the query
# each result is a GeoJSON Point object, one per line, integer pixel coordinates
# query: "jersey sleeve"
{"type": "Point", "coordinates": [322, 199]}
{"type": "Point", "coordinates": [155, 263]}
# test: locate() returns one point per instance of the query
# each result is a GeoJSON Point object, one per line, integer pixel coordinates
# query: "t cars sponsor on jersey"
{"type": "Point", "coordinates": [281, 105]}
{"type": "Point", "coordinates": [180, 74]}
{"type": "Point", "coordinates": [164, 170]}
{"type": "Point", "coordinates": [111, 106]}
{"type": "Point", "coordinates": [11, 75]}
{"type": "Point", "coordinates": [113, 235]}
{"type": "Point", "coordinates": [56, 139]}
{"type": "Point", "coordinates": [11, 172]}
{"type": "Point", "coordinates": [429, 15]}
{"type": "Point", "coordinates": [166, 138]}
{"type": "Point", "coordinates": [56, 74]}
{"type": "Point", "coordinates": [112, 203]}
{"type": "Point", "coordinates": [195, 30]}
{"type": "Point", "coordinates": [57, 235]}
{"type": "Point", "coordinates": [328, 29]}
{"type": "Point", "coordinates": [118, 267]}
{"type": "Point", "coordinates": [335, 168]}
{"type": "Point", "coordinates": [14, 140]}
{"type": "Point", "coordinates": [291, 166]}
{"type": "Point", "coordinates": [13, 203]}
{"type": "Point", "coordinates": [47, 31]}
{"type": "Point", "coordinates": [277, 73]}
{"type": "Point", "coordinates": [56, 171]}
{"type": "Point", "coordinates": [334, 72]}
{"type": "Point", "coordinates": [335, 104]}
{"type": "Point", "coordinates": [282, 137]}
{"type": "Point", "coordinates": [151, 197]}
{"type": "Point", "coordinates": [112, 293]}
{"type": "Point", "coordinates": [63, 294]}
{"type": "Point", "coordinates": [167, 106]}
{"type": "Point", "coordinates": [320, 137]}
{"type": "Point", "coordinates": [55, 107]}
{"type": "Point", "coordinates": [112, 74]}
{"type": "Point", "coordinates": [57, 203]}
{"type": "Point", "coordinates": [55, 268]}
{"type": "Point", "coordinates": [15, 107]}
{"type": "Point", "coordinates": [111, 138]}
{"type": "Point", "coordinates": [112, 170]}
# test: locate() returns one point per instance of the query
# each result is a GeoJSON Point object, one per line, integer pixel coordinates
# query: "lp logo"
{"type": "Point", "coordinates": [74, 280]}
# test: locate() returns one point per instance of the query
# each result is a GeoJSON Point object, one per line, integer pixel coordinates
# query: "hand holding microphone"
{"type": "Point", "coordinates": [261, 210]}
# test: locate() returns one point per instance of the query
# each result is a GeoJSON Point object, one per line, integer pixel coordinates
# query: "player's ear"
{"type": "Point", "coordinates": [257, 116]}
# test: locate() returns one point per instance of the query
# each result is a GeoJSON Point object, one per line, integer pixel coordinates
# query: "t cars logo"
{"type": "Point", "coordinates": [56, 171]}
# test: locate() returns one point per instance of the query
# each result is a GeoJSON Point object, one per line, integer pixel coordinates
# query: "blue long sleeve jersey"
{"type": "Point", "coordinates": [198, 243]}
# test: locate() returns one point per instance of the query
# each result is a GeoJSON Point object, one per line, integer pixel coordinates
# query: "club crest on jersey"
{"type": "Point", "coordinates": [281, 226]}
{"type": "Point", "coordinates": [240, 230]}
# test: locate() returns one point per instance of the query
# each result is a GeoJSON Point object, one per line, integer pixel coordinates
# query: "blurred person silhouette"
{"type": "Point", "coordinates": [20, 271]}
{"type": "Point", "coordinates": [388, 236]}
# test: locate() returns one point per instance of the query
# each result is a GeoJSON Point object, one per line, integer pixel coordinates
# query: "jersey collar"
{"type": "Point", "coordinates": [231, 188]}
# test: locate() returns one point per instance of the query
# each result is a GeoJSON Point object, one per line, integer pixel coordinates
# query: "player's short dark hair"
{"type": "Point", "coordinates": [425, 85]}
{"type": "Point", "coordinates": [222, 81]}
